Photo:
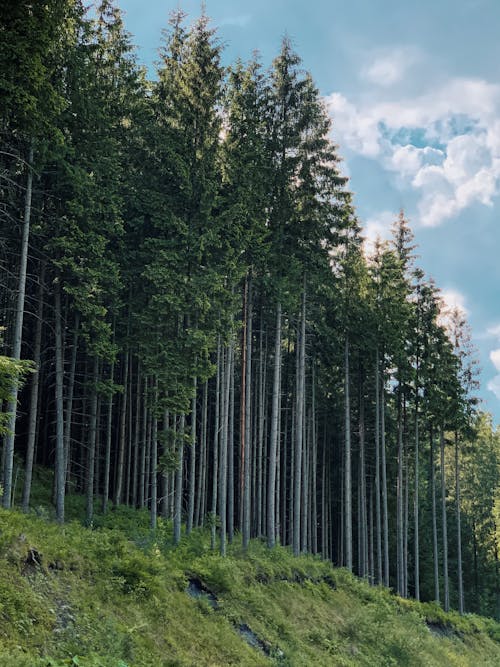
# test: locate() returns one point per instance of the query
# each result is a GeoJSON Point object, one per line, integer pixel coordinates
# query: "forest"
{"type": "Point", "coordinates": [192, 321]}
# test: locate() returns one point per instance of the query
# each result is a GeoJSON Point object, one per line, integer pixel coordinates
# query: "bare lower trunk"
{"type": "Point", "coordinates": [8, 455]}
{"type": "Point", "coordinates": [33, 415]}
{"type": "Point", "coordinates": [273, 445]}
{"type": "Point", "coordinates": [92, 444]}
{"type": "Point", "coordinates": [59, 467]}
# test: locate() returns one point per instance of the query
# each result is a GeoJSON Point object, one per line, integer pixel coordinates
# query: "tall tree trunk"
{"type": "Point", "coordinates": [299, 427]}
{"type": "Point", "coordinates": [446, 588]}
{"type": "Point", "coordinates": [434, 518]}
{"type": "Point", "coordinates": [416, 504]}
{"type": "Point", "coordinates": [33, 415]}
{"type": "Point", "coordinates": [178, 481]}
{"type": "Point", "coordinates": [399, 498]}
{"type": "Point", "coordinates": [224, 444]}
{"type": "Point", "coordinates": [385, 512]}
{"type": "Point", "coordinates": [378, 517]}
{"type": "Point", "coordinates": [68, 420]}
{"type": "Point", "coordinates": [273, 443]}
{"type": "Point", "coordinates": [123, 429]}
{"type": "Point", "coordinates": [59, 467]}
{"type": "Point", "coordinates": [92, 444]}
{"type": "Point", "coordinates": [246, 450]}
{"type": "Point", "coordinates": [363, 546]}
{"type": "Point", "coordinates": [230, 456]}
{"type": "Point", "coordinates": [215, 459]}
{"type": "Point", "coordinates": [347, 469]}
{"type": "Point", "coordinates": [107, 454]}
{"type": "Point", "coordinates": [154, 458]}
{"type": "Point", "coordinates": [8, 456]}
{"type": "Point", "coordinates": [192, 460]}
{"type": "Point", "coordinates": [459, 528]}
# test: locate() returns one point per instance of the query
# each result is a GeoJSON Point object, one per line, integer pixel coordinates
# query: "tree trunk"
{"type": "Point", "coordinates": [33, 415]}
{"type": "Point", "coordinates": [192, 461]}
{"type": "Point", "coordinates": [178, 481]}
{"type": "Point", "coordinates": [459, 528]}
{"type": "Point", "coordinates": [8, 457]}
{"type": "Point", "coordinates": [123, 428]}
{"type": "Point", "coordinates": [299, 427]}
{"type": "Point", "coordinates": [59, 467]}
{"type": "Point", "coordinates": [347, 469]}
{"type": "Point", "coordinates": [445, 526]}
{"type": "Point", "coordinates": [434, 519]}
{"type": "Point", "coordinates": [246, 448]}
{"type": "Point", "coordinates": [273, 444]}
{"type": "Point", "coordinates": [92, 445]}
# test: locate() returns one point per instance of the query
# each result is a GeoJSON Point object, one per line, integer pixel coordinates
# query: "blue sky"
{"type": "Point", "coordinates": [414, 93]}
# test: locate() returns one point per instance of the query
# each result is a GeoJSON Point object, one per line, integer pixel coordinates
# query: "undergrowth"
{"type": "Point", "coordinates": [115, 595]}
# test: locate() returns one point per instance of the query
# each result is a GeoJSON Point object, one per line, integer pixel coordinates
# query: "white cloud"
{"type": "Point", "coordinates": [495, 358]}
{"type": "Point", "coordinates": [389, 68]}
{"type": "Point", "coordinates": [377, 227]}
{"type": "Point", "coordinates": [494, 384]}
{"type": "Point", "coordinates": [450, 155]}
{"type": "Point", "coordinates": [452, 299]}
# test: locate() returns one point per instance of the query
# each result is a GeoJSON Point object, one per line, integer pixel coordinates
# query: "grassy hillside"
{"type": "Point", "coordinates": [116, 595]}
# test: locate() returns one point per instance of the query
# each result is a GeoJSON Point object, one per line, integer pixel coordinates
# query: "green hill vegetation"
{"type": "Point", "coordinates": [120, 595]}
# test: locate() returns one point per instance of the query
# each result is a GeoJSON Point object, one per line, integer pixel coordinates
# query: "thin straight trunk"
{"type": "Point", "coordinates": [314, 469]}
{"type": "Point", "coordinates": [459, 528]}
{"type": "Point", "coordinates": [230, 456]}
{"type": "Point", "coordinates": [68, 420]}
{"type": "Point", "coordinates": [399, 498]}
{"type": "Point", "coordinates": [363, 546]}
{"type": "Point", "coordinates": [129, 472]}
{"type": "Point", "coordinates": [385, 512]}
{"type": "Point", "coordinates": [123, 429]}
{"type": "Point", "coordinates": [347, 469]}
{"type": "Point", "coordinates": [406, 515]}
{"type": "Point", "coordinates": [107, 454]}
{"type": "Point", "coordinates": [147, 486]}
{"type": "Point", "coordinates": [164, 473]}
{"type": "Point", "coordinates": [137, 427]}
{"type": "Point", "coordinates": [445, 526]}
{"type": "Point", "coordinates": [8, 456]}
{"type": "Point", "coordinates": [89, 514]}
{"type": "Point", "coordinates": [178, 481]}
{"type": "Point", "coordinates": [299, 428]}
{"type": "Point", "coordinates": [144, 434]}
{"type": "Point", "coordinates": [273, 444]}
{"type": "Point", "coordinates": [215, 465]}
{"type": "Point", "coordinates": [245, 530]}
{"type": "Point", "coordinates": [202, 486]}
{"type": "Point", "coordinates": [305, 485]}
{"type": "Point", "coordinates": [98, 446]}
{"type": "Point", "coordinates": [260, 434]}
{"type": "Point", "coordinates": [226, 388]}
{"type": "Point", "coordinates": [416, 505]}
{"type": "Point", "coordinates": [378, 514]}
{"type": "Point", "coordinates": [434, 519]}
{"type": "Point", "coordinates": [34, 395]}
{"type": "Point", "coordinates": [154, 460]}
{"type": "Point", "coordinates": [192, 460]}
{"type": "Point", "coordinates": [59, 467]}
{"type": "Point", "coordinates": [324, 517]}
{"type": "Point", "coordinates": [248, 418]}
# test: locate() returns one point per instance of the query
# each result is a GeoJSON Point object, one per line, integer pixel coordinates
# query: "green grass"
{"type": "Point", "coordinates": [115, 596]}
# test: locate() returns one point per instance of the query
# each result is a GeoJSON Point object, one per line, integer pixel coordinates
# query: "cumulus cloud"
{"type": "Point", "coordinates": [377, 227]}
{"type": "Point", "coordinates": [453, 299]}
{"type": "Point", "coordinates": [444, 144]}
{"type": "Point", "coordinates": [494, 384]}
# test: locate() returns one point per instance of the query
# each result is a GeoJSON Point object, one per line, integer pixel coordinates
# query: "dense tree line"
{"type": "Point", "coordinates": [182, 262]}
